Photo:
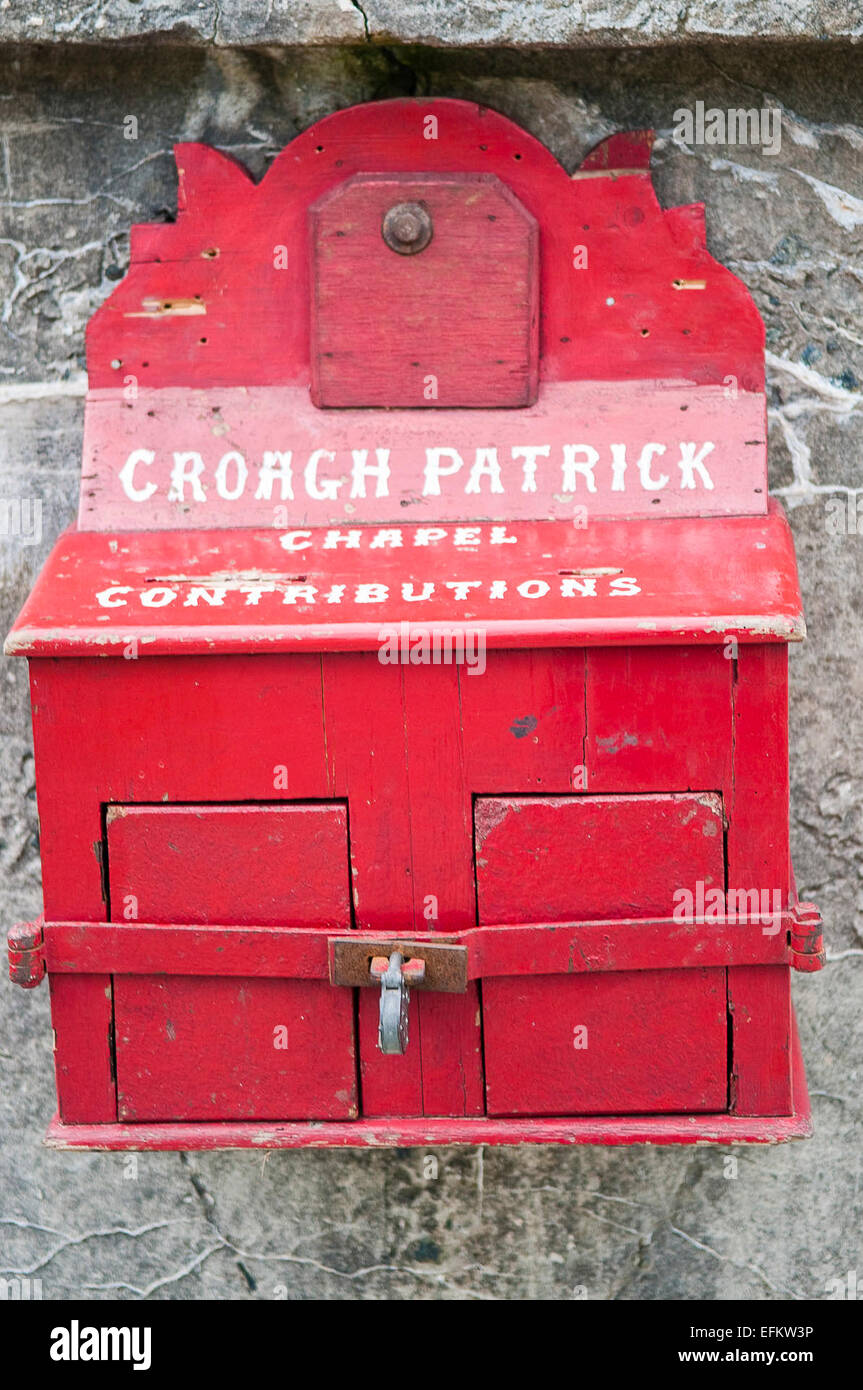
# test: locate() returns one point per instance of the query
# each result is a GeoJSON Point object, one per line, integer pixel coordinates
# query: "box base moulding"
{"type": "Point", "coordinates": [423, 1132]}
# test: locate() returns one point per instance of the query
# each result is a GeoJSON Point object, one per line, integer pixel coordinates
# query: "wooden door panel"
{"type": "Point", "coordinates": [621, 1042]}
{"type": "Point", "coordinates": [280, 865]}
{"type": "Point", "coordinates": [553, 859]}
{"type": "Point", "coordinates": [193, 1048]}
{"type": "Point", "coordinates": [626, 1042]}
{"type": "Point", "coordinates": [211, 1048]}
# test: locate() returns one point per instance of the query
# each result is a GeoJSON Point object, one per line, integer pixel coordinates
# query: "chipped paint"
{"type": "Point", "coordinates": [167, 309]}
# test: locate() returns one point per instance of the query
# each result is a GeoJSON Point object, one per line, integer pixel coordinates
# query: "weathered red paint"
{"type": "Point", "coordinates": [26, 946]}
{"type": "Point", "coordinates": [525, 585]}
{"type": "Point", "coordinates": [245, 749]}
{"type": "Point", "coordinates": [460, 326]}
{"type": "Point", "coordinates": [266, 456]}
{"type": "Point", "coordinates": [428, 1132]}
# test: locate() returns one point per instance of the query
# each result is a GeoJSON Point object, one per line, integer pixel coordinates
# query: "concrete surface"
{"type": "Point", "coordinates": [637, 1224]}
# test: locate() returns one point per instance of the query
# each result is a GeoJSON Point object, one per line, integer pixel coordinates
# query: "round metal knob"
{"type": "Point", "coordinates": [407, 228]}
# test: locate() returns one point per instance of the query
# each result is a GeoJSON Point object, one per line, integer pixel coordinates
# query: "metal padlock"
{"type": "Point", "coordinates": [395, 976]}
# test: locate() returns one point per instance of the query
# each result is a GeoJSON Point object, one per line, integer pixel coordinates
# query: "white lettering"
{"type": "Point", "coordinates": [530, 453]}
{"type": "Point", "coordinates": [362, 470]}
{"type": "Point", "coordinates": [349, 539]}
{"type": "Point", "coordinates": [187, 469]}
{"type": "Point", "coordinates": [486, 465]}
{"type": "Point", "coordinates": [159, 597]}
{"type": "Point", "coordinates": [276, 467]}
{"type": "Point", "coordinates": [461, 587]}
{"type": "Point", "coordinates": [110, 598]}
{"type": "Point", "coordinates": [215, 598]}
{"type": "Point", "coordinates": [391, 539]}
{"type": "Point", "coordinates": [127, 476]}
{"type": "Point", "coordinates": [371, 593]}
{"type": "Point", "coordinates": [434, 469]}
{"type": "Point", "coordinates": [572, 465]}
{"type": "Point", "coordinates": [328, 489]}
{"type": "Point", "coordinates": [647, 482]}
{"type": "Point", "coordinates": [690, 461]}
{"type": "Point", "coordinates": [231, 494]}
{"type": "Point", "coordinates": [291, 540]}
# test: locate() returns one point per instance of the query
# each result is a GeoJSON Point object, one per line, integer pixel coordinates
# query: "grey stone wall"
{"type": "Point", "coordinates": [493, 1224]}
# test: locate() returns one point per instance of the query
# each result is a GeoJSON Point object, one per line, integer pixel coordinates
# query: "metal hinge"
{"type": "Point", "coordinates": [807, 942]}
{"type": "Point", "coordinates": [25, 943]}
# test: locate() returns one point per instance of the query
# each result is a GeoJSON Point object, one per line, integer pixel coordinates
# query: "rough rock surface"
{"type": "Point", "coordinates": [444, 23]}
{"type": "Point", "coordinates": [602, 1224]}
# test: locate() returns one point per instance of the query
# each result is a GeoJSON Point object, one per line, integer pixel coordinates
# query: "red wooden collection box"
{"type": "Point", "coordinates": [410, 699]}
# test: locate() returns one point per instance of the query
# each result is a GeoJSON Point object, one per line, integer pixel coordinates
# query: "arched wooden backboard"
{"type": "Point", "coordinates": [582, 355]}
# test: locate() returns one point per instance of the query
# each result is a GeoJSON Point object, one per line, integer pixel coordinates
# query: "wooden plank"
{"type": "Point", "coordinates": [363, 723]}
{"type": "Point", "coordinates": [363, 716]}
{"type": "Point", "coordinates": [614, 1044]}
{"type": "Point", "coordinates": [272, 591]}
{"type": "Point", "coordinates": [566, 858]}
{"type": "Point", "coordinates": [222, 294]}
{"type": "Point", "coordinates": [453, 324]}
{"type": "Point", "coordinates": [523, 722]}
{"type": "Point", "coordinates": [271, 865]}
{"type": "Point", "coordinates": [157, 730]}
{"type": "Point", "coordinates": [71, 850]}
{"type": "Point", "coordinates": [659, 719]}
{"type": "Point", "coordinates": [233, 1049]}
{"type": "Point", "coordinates": [440, 800]}
{"type": "Point", "coordinates": [475, 1131]}
{"type": "Point", "coordinates": [389, 1085]}
{"type": "Point", "coordinates": [759, 1002]}
{"type": "Point", "coordinates": [82, 1018]}
{"type": "Point", "coordinates": [301, 953]}
{"type": "Point", "coordinates": [759, 858]}
{"type": "Point", "coordinates": [199, 1047]}
{"type": "Point", "coordinates": [181, 458]}
{"type": "Point", "coordinates": [758, 837]}
{"type": "Point", "coordinates": [137, 948]}
{"type": "Point", "coordinates": [452, 1060]}
{"type": "Point", "coordinates": [443, 881]}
